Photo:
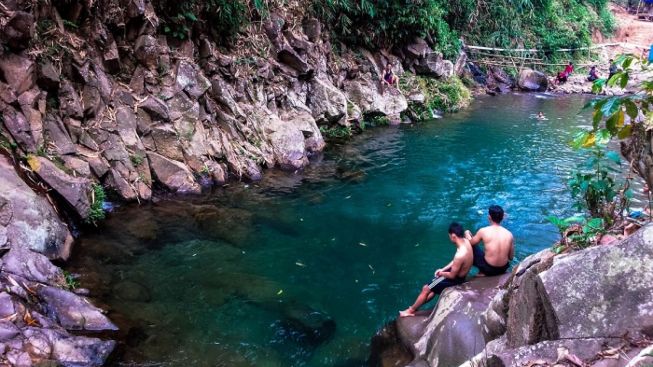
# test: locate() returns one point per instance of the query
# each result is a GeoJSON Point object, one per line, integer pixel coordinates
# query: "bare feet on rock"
{"type": "Point", "coordinates": [409, 312]}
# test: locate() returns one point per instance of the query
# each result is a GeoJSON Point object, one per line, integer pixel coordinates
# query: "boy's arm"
{"type": "Point", "coordinates": [474, 240]}
{"type": "Point", "coordinates": [453, 271]}
{"type": "Point", "coordinates": [439, 271]}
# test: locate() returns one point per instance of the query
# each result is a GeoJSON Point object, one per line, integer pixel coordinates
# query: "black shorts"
{"type": "Point", "coordinates": [444, 284]}
{"type": "Point", "coordinates": [484, 267]}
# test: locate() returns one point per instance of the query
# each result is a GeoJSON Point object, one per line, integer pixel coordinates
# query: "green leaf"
{"type": "Point", "coordinates": [611, 106]}
{"type": "Point", "coordinates": [624, 80]}
{"type": "Point", "coordinates": [596, 119]}
{"type": "Point", "coordinates": [603, 137]}
{"type": "Point", "coordinates": [625, 132]}
{"type": "Point", "coordinates": [631, 108]}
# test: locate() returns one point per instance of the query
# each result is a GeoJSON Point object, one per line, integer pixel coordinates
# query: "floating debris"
{"type": "Point", "coordinates": [347, 197]}
{"type": "Point", "coordinates": [388, 205]}
{"type": "Point", "coordinates": [299, 263]}
{"type": "Point", "coordinates": [301, 219]}
{"type": "Point", "coordinates": [280, 292]}
{"type": "Point", "coordinates": [362, 244]}
{"type": "Point", "coordinates": [372, 268]}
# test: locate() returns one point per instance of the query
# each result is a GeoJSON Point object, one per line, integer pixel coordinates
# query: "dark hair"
{"type": "Point", "coordinates": [456, 229]}
{"type": "Point", "coordinates": [496, 213]}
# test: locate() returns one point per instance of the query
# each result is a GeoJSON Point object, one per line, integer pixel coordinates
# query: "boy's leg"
{"type": "Point", "coordinates": [424, 296]}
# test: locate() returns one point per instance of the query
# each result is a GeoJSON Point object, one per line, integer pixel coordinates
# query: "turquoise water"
{"type": "Point", "coordinates": [302, 269]}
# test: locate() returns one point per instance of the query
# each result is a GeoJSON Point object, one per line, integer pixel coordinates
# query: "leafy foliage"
{"type": "Point", "coordinates": [224, 18]}
{"type": "Point", "coordinates": [577, 232]}
{"type": "Point", "coordinates": [542, 24]}
{"type": "Point", "coordinates": [595, 184]}
{"type": "Point", "coordinates": [336, 132]}
{"type": "Point", "coordinates": [384, 24]}
{"type": "Point", "coordinates": [96, 214]}
{"type": "Point", "coordinates": [440, 95]}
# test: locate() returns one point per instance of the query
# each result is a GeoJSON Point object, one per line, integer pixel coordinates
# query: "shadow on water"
{"type": "Point", "coordinates": [301, 269]}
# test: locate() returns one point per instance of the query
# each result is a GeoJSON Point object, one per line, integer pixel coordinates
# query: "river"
{"type": "Point", "coordinates": [301, 269]}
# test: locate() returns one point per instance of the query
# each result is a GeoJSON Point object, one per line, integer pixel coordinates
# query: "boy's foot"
{"type": "Point", "coordinates": [409, 312]}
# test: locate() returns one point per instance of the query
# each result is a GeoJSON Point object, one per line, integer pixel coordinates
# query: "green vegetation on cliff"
{"type": "Point", "coordinates": [543, 24]}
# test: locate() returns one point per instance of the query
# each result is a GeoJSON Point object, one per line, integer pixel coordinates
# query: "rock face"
{"type": "Point", "coordinates": [37, 313]}
{"type": "Point", "coordinates": [28, 220]}
{"type": "Point", "coordinates": [452, 333]}
{"type": "Point", "coordinates": [570, 307]}
{"type": "Point", "coordinates": [531, 80]}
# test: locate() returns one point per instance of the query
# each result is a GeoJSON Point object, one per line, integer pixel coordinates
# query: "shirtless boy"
{"type": "Point", "coordinates": [453, 273]}
{"type": "Point", "coordinates": [498, 242]}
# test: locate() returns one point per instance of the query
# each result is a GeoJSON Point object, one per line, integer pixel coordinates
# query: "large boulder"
{"type": "Point", "coordinates": [173, 175]}
{"type": "Point", "coordinates": [76, 191]}
{"type": "Point", "coordinates": [31, 266]}
{"type": "Point", "coordinates": [327, 103]}
{"type": "Point", "coordinates": [27, 219]}
{"type": "Point", "coordinates": [73, 312]}
{"type": "Point", "coordinates": [434, 65]}
{"type": "Point", "coordinates": [532, 81]}
{"type": "Point", "coordinates": [287, 142]}
{"type": "Point", "coordinates": [576, 301]}
{"type": "Point", "coordinates": [374, 100]}
{"type": "Point", "coordinates": [452, 333]}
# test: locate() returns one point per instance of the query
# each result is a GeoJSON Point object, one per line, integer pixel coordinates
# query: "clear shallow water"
{"type": "Point", "coordinates": [302, 269]}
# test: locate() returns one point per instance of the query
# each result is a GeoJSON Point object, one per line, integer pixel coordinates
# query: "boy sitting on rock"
{"type": "Point", "coordinates": [454, 273]}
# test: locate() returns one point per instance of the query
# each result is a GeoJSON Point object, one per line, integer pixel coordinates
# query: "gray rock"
{"type": "Point", "coordinates": [31, 266]}
{"type": "Point", "coordinates": [434, 65]}
{"type": "Point", "coordinates": [71, 351]}
{"type": "Point", "coordinates": [173, 175]}
{"type": "Point", "coordinates": [290, 57]}
{"type": "Point", "coordinates": [28, 220]}
{"type": "Point", "coordinates": [8, 330]}
{"type": "Point", "coordinates": [20, 128]}
{"type": "Point", "coordinates": [75, 190]}
{"type": "Point", "coordinates": [19, 30]}
{"type": "Point", "coordinates": [452, 333]}
{"type": "Point", "coordinates": [18, 71]}
{"type": "Point", "coordinates": [48, 76]}
{"type": "Point", "coordinates": [327, 103]}
{"type": "Point", "coordinates": [191, 80]}
{"type": "Point", "coordinates": [531, 80]}
{"type": "Point", "coordinates": [146, 50]}
{"type": "Point", "coordinates": [73, 312]}
{"type": "Point", "coordinates": [312, 29]}
{"type": "Point", "coordinates": [419, 49]}
{"type": "Point", "coordinates": [57, 134]}
{"type": "Point", "coordinates": [155, 108]}
{"type": "Point", "coordinates": [594, 301]}
{"type": "Point", "coordinates": [69, 102]}
{"type": "Point", "coordinates": [367, 95]}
